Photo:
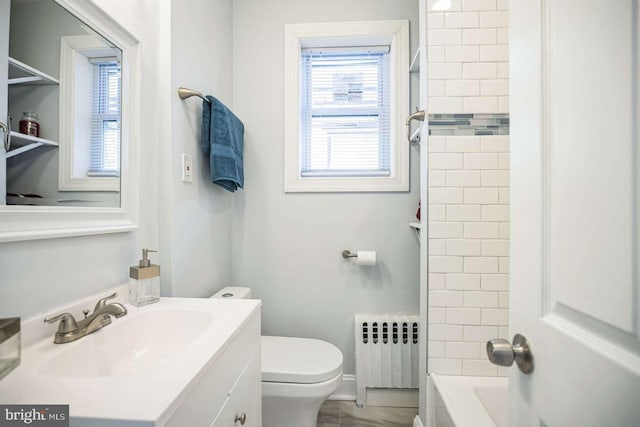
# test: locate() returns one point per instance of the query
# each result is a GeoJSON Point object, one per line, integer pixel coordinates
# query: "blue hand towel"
{"type": "Point", "coordinates": [222, 141]}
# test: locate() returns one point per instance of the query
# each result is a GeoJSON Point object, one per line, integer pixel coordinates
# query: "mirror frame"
{"type": "Point", "coordinates": [19, 223]}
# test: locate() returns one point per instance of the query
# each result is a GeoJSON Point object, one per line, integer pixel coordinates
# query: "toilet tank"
{"type": "Point", "coordinates": [233, 292]}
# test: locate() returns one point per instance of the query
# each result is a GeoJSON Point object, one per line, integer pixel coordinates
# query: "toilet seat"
{"type": "Point", "coordinates": [301, 391]}
{"type": "Point", "coordinates": [299, 360]}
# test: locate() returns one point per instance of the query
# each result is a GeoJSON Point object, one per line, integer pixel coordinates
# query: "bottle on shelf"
{"type": "Point", "coordinates": [29, 124]}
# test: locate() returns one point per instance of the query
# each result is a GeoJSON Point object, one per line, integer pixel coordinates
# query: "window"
{"type": "Point", "coordinates": [345, 110]}
{"type": "Point", "coordinates": [104, 156]}
{"type": "Point", "coordinates": [346, 95]}
{"type": "Point", "coordinates": [90, 115]}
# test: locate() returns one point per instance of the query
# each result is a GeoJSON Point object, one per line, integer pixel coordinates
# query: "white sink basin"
{"type": "Point", "coordinates": [135, 372]}
{"type": "Point", "coordinates": [130, 344]}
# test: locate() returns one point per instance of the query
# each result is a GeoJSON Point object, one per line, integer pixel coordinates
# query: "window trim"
{"type": "Point", "coordinates": [394, 33]}
{"type": "Point", "coordinates": [68, 180]}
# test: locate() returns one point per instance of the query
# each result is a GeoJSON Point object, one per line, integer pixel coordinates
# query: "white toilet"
{"type": "Point", "coordinates": [298, 374]}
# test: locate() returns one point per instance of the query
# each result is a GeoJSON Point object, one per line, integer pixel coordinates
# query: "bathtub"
{"type": "Point", "coordinates": [467, 401]}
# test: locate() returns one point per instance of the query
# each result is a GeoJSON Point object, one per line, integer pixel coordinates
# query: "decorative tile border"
{"type": "Point", "coordinates": [468, 124]}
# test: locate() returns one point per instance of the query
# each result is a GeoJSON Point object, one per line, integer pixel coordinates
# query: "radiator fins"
{"type": "Point", "coordinates": [386, 352]}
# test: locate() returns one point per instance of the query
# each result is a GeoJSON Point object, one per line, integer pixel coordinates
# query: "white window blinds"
{"type": "Point", "coordinates": [105, 126]}
{"type": "Point", "coordinates": [345, 112]}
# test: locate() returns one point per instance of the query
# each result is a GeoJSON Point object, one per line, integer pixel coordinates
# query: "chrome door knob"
{"type": "Point", "coordinates": [241, 418]}
{"type": "Point", "coordinates": [501, 352]}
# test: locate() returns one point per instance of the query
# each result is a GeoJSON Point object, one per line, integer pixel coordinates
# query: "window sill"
{"type": "Point", "coordinates": [344, 185]}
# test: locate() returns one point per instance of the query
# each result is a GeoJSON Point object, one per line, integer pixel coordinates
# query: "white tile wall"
{"type": "Point", "coordinates": [464, 316]}
{"type": "Point", "coordinates": [479, 104]}
{"type": "Point", "coordinates": [463, 247]}
{"type": "Point", "coordinates": [436, 144]}
{"type": "Point", "coordinates": [480, 70]}
{"type": "Point", "coordinates": [462, 350]}
{"type": "Point", "coordinates": [462, 88]}
{"type": "Point", "coordinates": [437, 212]}
{"type": "Point", "coordinates": [439, 161]}
{"type": "Point", "coordinates": [495, 53]}
{"type": "Point", "coordinates": [436, 281]}
{"type": "Point", "coordinates": [478, 4]}
{"type": "Point", "coordinates": [464, 282]}
{"type": "Point", "coordinates": [503, 103]}
{"type": "Point", "coordinates": [445, 230]}
{"type": "Point", "coordinates": [468, 57]}
{"type": "Point", "coordinates": [461, 54]}
{"type": "Point", "coordinates": [460, 19]}
{"type": "Point", "coordinates": [437, 247]}
{"type": "Point", "coordinates": [479, 36]}
{"type": "Point", "coordinates": [462, 144]}
{"type": "Point", "coordinates": [469, 248]}
{"type": "Point", "coordinates": [462, 178]}
{"type": "Point", "coordinates": [481, 161]}
{"type": "Point", "coordinates": [463, 213]}
{"type": "Point", "coordinates": [444, 37]}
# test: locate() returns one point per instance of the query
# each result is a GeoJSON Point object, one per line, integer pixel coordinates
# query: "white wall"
{"type": "Point", "coordinates": [195, 217]}
{"type": "Point", "coordinates": [287, 247]}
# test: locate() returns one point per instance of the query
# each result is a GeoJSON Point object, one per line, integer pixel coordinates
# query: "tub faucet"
{"type": "Point", "coordinates": [70, 330]}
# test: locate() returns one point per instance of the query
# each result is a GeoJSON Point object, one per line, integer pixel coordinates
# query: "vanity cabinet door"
{"type": "Point", "coordinates": [245, 401]}
{"type": "Point", "coordinates": [234, 368]}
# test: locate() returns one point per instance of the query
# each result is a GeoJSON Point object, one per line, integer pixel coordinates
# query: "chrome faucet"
{"type": "Point", "coordinates": [70, 330]}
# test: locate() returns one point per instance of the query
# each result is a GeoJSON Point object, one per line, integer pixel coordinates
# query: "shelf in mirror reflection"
{"type": "Point", "coordinates": [21, 73]}
{"type": "Point", "coordinates": [34, 200]}
{"type": "Point", "coordinates": [415, 62]}
{"type": "Point", "coordinates": [24, 143]}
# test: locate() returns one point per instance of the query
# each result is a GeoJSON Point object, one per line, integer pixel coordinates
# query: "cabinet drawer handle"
{"type": "Point", "coordinates": [242, 418]}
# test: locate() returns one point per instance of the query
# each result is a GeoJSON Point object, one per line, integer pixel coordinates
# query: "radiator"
{"type": "Point", "coordinates": [386, 352]}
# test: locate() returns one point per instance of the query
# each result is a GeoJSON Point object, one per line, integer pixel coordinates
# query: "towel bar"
{"type": "Point", "coordinates": [185, 93]}
{"type": "Point", "coordinates": [414, 138]}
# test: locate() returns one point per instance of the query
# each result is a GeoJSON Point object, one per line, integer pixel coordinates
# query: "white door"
{"type": "Point", "coordinates": [4, 54]}
{"type": "Point", "coordinates": [575, 200]}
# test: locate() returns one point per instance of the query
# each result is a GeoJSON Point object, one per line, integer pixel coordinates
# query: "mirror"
{"type": "Point", "coordinates": [64, 100]}
{"type": "Point", "coordinates": [56, 50]}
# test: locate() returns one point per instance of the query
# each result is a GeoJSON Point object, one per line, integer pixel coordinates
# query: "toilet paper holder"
{"type": "Point", "coordinates": [362, 258]}
{"type": "Point", "coordinates": [347, 254]}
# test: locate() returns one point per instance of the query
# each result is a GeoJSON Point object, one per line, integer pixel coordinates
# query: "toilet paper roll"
{"type": "Point", "coordinates": [366, 258]}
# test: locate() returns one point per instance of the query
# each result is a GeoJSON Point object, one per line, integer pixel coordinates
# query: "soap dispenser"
{"type": "Point", "coordinates": [144, 287]}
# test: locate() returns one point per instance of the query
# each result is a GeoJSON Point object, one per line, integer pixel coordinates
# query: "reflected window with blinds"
{"type": "Point", "coordinates": [104, 156]}
{"type": "Point", "coordinates": [345, 112]}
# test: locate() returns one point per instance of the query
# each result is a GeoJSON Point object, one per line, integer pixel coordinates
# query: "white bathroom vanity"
{"type": "Point", "coordinates": [179, 362]}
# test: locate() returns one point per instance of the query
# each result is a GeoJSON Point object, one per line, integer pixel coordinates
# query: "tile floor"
{"type": "Point", "coordinates": [337, 413]}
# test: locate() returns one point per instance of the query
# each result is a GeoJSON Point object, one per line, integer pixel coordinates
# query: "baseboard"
{"type": "Point", "coordinates": [417, 422]}
{"type": "Point", "coordinates": [401, 398]}
{"type": "Point", "coordinates": [392, 397]}
{"type": "Point", "coordinates": [347, 390]}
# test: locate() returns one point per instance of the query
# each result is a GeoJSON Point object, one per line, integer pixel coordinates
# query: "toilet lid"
{"type": "Point", "coordinates": [299, 360]}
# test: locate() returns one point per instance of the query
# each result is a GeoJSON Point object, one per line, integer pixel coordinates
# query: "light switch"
{"type": "Point", "coordinates": [187, 168]}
